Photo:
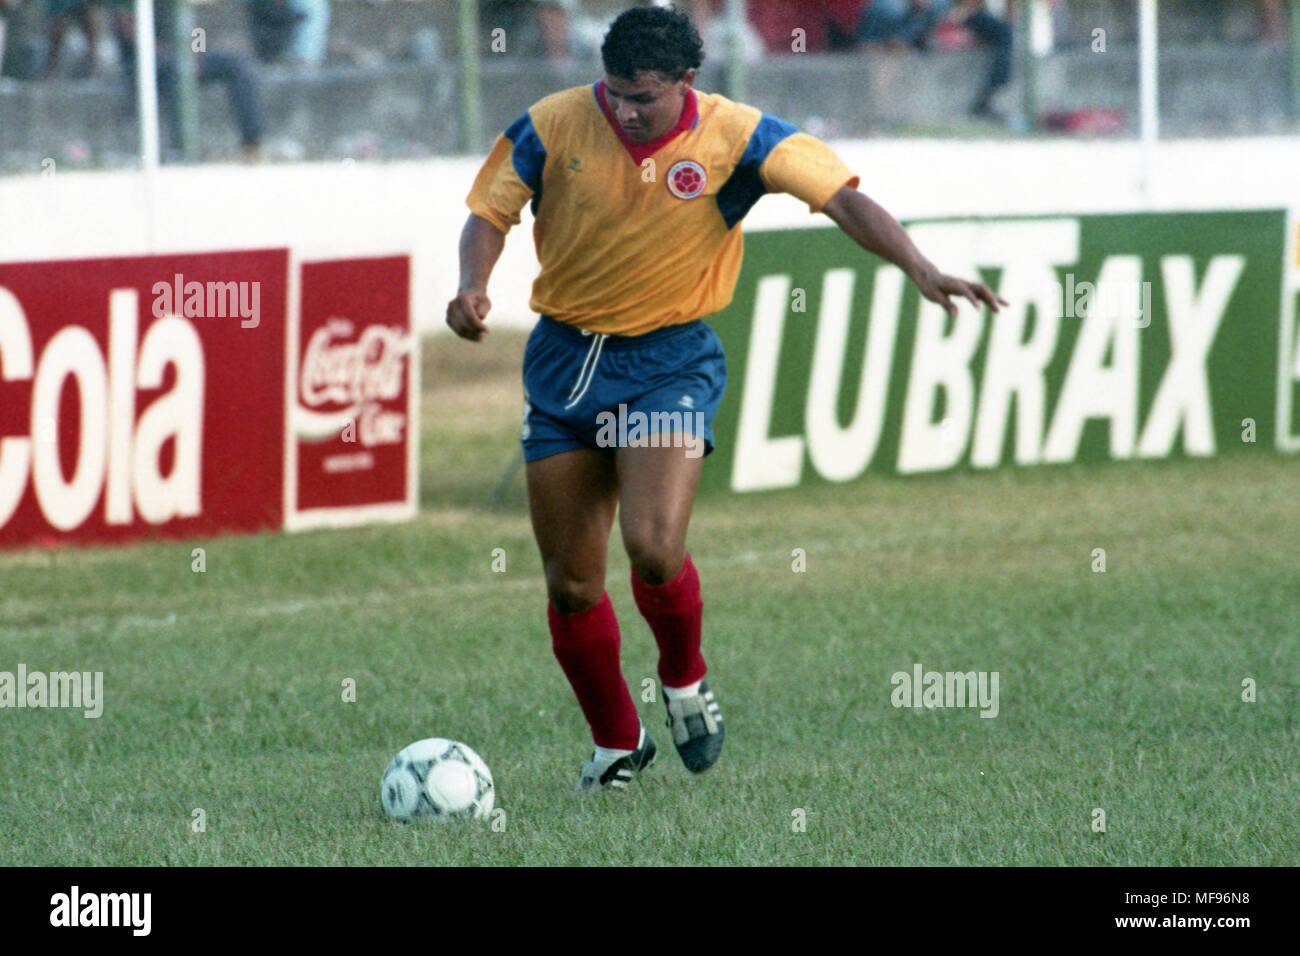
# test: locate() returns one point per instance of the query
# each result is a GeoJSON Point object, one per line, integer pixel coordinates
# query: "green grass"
{"type": "Point", "coordinates": [1119, 690]}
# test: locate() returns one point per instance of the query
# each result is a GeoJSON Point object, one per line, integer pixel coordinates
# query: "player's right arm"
{"type": "Point", "coordinates": [480, 248]}
{"type": "Point", "coordinates": [511, 176]}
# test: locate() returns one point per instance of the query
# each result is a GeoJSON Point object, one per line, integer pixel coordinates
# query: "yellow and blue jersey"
{"type": "Point", "coordinates": [633, 238]}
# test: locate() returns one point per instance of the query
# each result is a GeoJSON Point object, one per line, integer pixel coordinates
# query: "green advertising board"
{"type": "Point", "coordinates": [1145, 335]}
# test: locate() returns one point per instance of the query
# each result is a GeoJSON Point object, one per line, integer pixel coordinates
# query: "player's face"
{"type": "Point", "coordinates": [649, 105]}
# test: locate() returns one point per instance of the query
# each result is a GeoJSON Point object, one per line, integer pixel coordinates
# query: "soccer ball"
{"type": "Point", "coordinates": [437, 778]}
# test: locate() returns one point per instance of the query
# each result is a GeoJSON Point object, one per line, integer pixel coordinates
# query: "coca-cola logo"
{"type": "Point", "coordinates": [353, 373]}
{"type": "Point", "coordinates": [371, 368]}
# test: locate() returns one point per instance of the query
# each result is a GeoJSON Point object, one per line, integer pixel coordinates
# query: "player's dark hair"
{"type": "Point", "coordinates": [654, 39]}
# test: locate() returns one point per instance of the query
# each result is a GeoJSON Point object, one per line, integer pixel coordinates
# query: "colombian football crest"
{"type": "Point", "coordinates": [687, 179]}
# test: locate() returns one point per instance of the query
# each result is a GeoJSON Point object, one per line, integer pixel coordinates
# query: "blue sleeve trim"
{"type": "Point", "coordinates": [528, 155]}
{"type": "Point", "coordinates": [745, 187]}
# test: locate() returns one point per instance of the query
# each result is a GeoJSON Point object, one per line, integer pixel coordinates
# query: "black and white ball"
{"type": "Point", "coordinates": [438, 778]}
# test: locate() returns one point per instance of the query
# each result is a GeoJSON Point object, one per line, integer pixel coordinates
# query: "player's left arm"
{"type": "Point", "coordinates": [869, 225]}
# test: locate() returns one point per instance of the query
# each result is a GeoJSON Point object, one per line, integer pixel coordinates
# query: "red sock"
{"type": "Point", "coordinates": [675, 613]}
{"type": "Point", "coordinates": [586, 644]}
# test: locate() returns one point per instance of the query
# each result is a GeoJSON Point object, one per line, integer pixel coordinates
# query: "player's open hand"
{"type": "Point", "coordinates": [466, 312]}
{"type": "Point", "coordinates": [940, 288]}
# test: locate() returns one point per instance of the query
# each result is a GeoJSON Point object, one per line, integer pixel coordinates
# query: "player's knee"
{"type": "Point", "coordinates": [655, 558]}
{"type": "Point", "coordinates": [571, 593]}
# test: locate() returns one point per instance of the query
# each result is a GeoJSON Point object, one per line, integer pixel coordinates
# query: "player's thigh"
{"type": "Point", "coordinates": [656, 494]}
{"type": "Point", "coordinates": [572, 498]}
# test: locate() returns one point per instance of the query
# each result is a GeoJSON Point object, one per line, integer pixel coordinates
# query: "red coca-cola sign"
{"type": "Point", "coordinates": [177, 396]}
{"type": "Point", "coordinates": [127, 411]}
{"type": "Point", "coordinates": [353, 410]}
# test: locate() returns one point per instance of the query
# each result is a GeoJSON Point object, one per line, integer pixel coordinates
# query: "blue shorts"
{"type": "Point", "coordinates": [586, 390]}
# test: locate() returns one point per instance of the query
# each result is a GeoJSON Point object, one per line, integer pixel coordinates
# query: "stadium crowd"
{"type": "Point", "coordinates": [297, 32]}
{"type": "Point", "coordinates": [92, 40]}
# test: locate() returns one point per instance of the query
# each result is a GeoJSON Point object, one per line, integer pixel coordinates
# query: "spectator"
{"type": "Point", "coordinates": [271, 24]}
{"type": "Point", "coordinates": [903, 23]}
{"type": "Point", "coordinates": [296, 31]}
{"type": "Point", "coordinates": [87, 15]}
{"type": "Point", "coordinates": [826, 25]}
{"type": "Point", "coordinates": [1274, 23]}
{"type": "Point", "coordinates": [10, 64]}
{"type": "Point", "coordinates": [553, 18]}
{"type": "Point", "coordinates": [715, 28]}
{"type": "Point", "coordinates": [532, 27]}
{"type": "Point", "coordinates": [233, 72]}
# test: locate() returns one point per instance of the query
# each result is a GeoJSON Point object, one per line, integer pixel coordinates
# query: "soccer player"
{"type": "Point", "coordinates": [638, 184]}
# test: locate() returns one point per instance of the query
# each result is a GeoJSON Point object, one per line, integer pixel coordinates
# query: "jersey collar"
{"type": "Point", "coordinates": [640, 152]}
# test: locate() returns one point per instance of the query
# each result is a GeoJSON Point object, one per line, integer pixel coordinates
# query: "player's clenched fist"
{"type": "Point", "coordinates": [466, 312]}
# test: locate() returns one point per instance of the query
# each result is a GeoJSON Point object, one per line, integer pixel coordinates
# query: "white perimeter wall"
{"type": "Point", "coordinates": [333, 209]}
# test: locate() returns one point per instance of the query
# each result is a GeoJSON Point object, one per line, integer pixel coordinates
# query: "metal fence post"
{"type": "Point", "coordinates": [187, 101]}
{"type": "Point", "coordinates": [471, 79]}
{"type": "Point", "coordinates": [737, 87]}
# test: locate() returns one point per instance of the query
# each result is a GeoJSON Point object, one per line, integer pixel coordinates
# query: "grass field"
{"type": "Point", "coordinates": [1119, 690]}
